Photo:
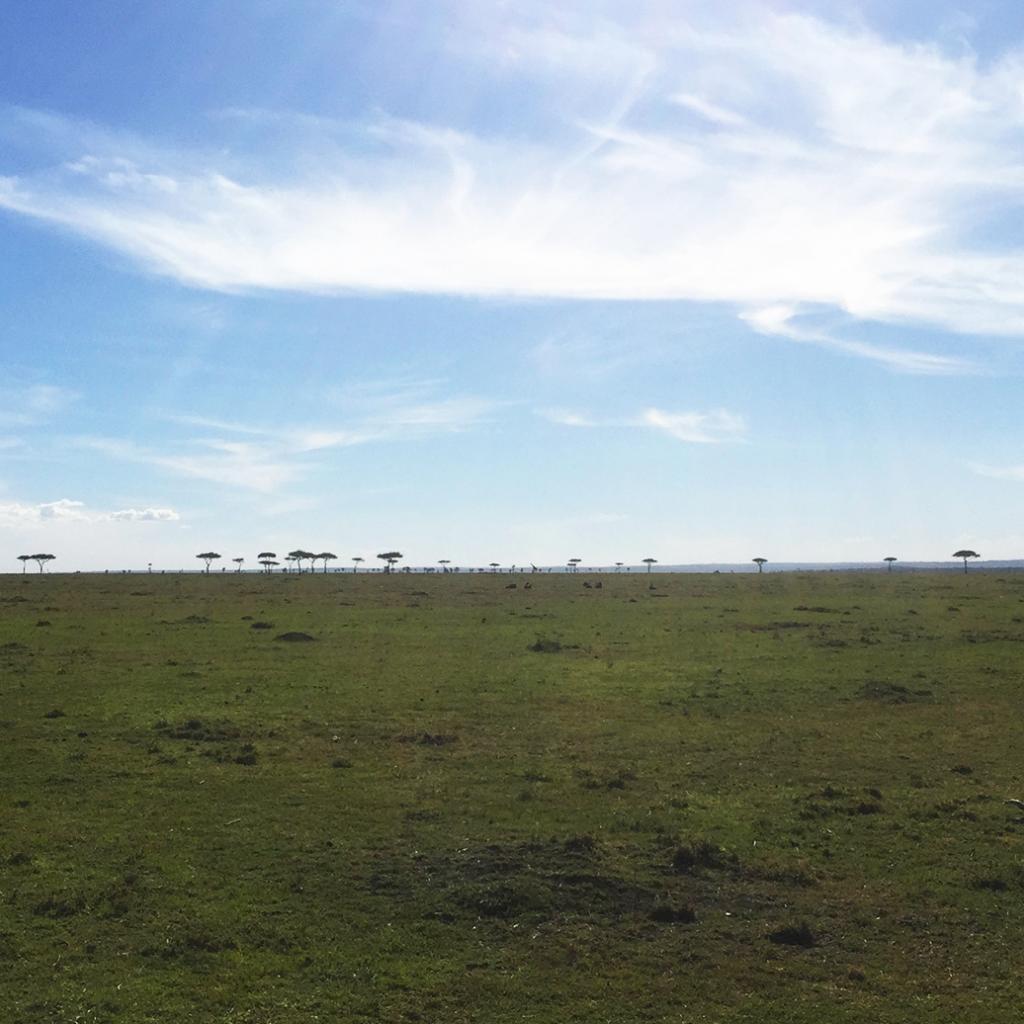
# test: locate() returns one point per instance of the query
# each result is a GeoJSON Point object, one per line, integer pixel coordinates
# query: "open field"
{"type": "Point", "coordinates": [727, 798]}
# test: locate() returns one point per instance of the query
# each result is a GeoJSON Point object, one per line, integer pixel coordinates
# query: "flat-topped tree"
{"type": "Point", "coordinates": [890, 559]}
{"type": "Point", "coordinates": [618, 566]}
{"type": "Point", "coordinates": [966, 553]}
{"type": "Point", "coordinates": [268, 564]}
{"type": "Point", "coordinates": [299, 556]}
{"type": "Point", "coordinates": [759, 562]}
{"type": "Point", "coordinates": [494, 566]}
{"type": "Point", "coordinates": [355, 563]}
{"type": "Point", "coordinates": [649, 562]}
{"type": "Point", "coordinates": [238, 562]}
{"type": "Point", "coordinates": [390, 557]}
{"type": "Point", "coordinates": [208, 557]}
{"type": "Point", "coordinates": [327, 556]}
{"type": "Point", "coordinates": [574, 564]}
{"type": "Point", "coordinates": [42, 559]}
{"type": "Point", "coordinates": [24, 559]}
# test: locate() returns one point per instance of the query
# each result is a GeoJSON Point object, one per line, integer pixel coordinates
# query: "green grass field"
{"type": "Point", "coordinates": [726, 798]}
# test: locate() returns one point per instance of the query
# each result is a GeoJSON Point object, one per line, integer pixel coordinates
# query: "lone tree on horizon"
{"type": "Point", "coordinates": [618, 566]}
{"type": "Point", "coordinates": [208, 557]}
{"type": "Point", "coordinates": [649, 562]}
{"type": "Point", "coordinates": [890, 559]}
{"type": "Point", "coordinates": [24, 559]}
{"type": "Point", "coordinates": [574, 564]}
{"type": "Point", "coordinates": [966, 553]}
{"type": "Point", "coordinates": [391, 557]}
{"type": "Point", "coordinates": [238, 562]}
{"type": "Point", "coordinates": [760, 563]}
{"type": "Point", "coordinates": [355, 563]}
{"type": "Point", "coordinates": [444, 563]}
{"type": "Point", "coordinates": [42, 559]}
{"type": "Point", "coordinates": [327, 556]}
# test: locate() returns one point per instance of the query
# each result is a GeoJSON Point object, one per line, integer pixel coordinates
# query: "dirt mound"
{"type": "Point", "coordinates": [545, 646]}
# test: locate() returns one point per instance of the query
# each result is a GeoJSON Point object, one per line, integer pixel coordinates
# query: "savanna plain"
{"type": "Point", "coordinates": [596, 798]}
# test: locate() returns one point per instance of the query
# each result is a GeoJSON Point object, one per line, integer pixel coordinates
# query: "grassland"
{"type": "Point", "coordinates": [670, 798]}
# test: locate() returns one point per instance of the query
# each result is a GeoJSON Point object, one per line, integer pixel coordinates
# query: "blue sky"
{"type": "Point", "coordinates": [511, 281]}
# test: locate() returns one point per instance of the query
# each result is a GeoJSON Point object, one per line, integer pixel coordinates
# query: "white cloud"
{"type": "Point", "coordinates": [253, 466]}
{"type": "Point", "coordinates": [145, 515]}
{"type": "Point", "coordinates": [65, 510]}
{"type": "Point", "coordinates": [266, 459]}
{"type": "Point", "coordinates": [713, 427]}
{"type": "Point", "coordinates": [999, 472]}
{"type": "Point", "coordinates": [778, 320]}
{"type": "Point", "coordinates": [755, 159]}
{"type": "Point", "coordinates": [33, 404]}
{"type": "Point", "coordinates": [697, 427]}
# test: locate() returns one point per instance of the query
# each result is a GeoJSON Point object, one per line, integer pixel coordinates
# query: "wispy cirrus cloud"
{"type": "Point", "coordinates": [34, 404]}
{"type": "Point", "coordinates": [714, 427]}
{"type": "Point", "coordinates": [755, 158]}
{"type": "Point", "coordinates": [697, 427]}
{"type": "Point", "coordinates": [265, 459]}
{"type": "Point", "coordinates": [783, 321]}
{"type": "Point", "coordinates": [1014, 472]}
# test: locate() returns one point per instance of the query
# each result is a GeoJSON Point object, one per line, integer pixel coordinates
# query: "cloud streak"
{"type": "Point", "coordinates": [34, 404]}
{"type": "Point", "coordinates": [715, 427]}
{"type": "Point", "coordinates": [1015, 473]}
{"type": "Point", "coordinates": [762, 160]}
{"type": "Point", "coordinates": [264, 459]}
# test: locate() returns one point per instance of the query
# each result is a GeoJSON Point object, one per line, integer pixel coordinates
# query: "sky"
{"type": "Point", "coordinates": [511, 281]}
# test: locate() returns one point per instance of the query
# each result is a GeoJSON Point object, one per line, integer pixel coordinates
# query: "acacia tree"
{"type": "Point", "coordinates": [649, 562]}
{"type": "Point", "coordinates": [391, 557]}
{"type": "Point", "coordinates": [299, 556]}
{"type": "Point", "coordinates": [238, 562]}
{"type": "Point", "coordinates": [266, 554]}
{"type": "Point", "coordinates": [42, 559]}
{"type": "Point", "coordinates": [890, 559]}
{"type": "Point", "coordinates": [24, 559]}
{"type": "Point", "coordinates": [355, 563]}
{"type": "Point", "coordinates": [268, 564]}
{"type": "Point", "coordinates": [444, 563]}
{"type": "Point", "coordinates": [208, 557]}
{"type": "Point", "coordinates": [327, 556]}
{"type": "Point", "coordinates": [574, 564]}
{"type": "Point", "coordinates": [618, 566]}
{"type": "Point", "coordinates": [494, 566]}
{"type": "Point", "coordinates": [963, 553]}
{"type": "Point", "coordinates": [760, 563]}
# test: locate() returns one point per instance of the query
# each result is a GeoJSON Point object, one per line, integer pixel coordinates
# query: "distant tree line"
{"type": "Point", "coordinates": [294, 562]}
